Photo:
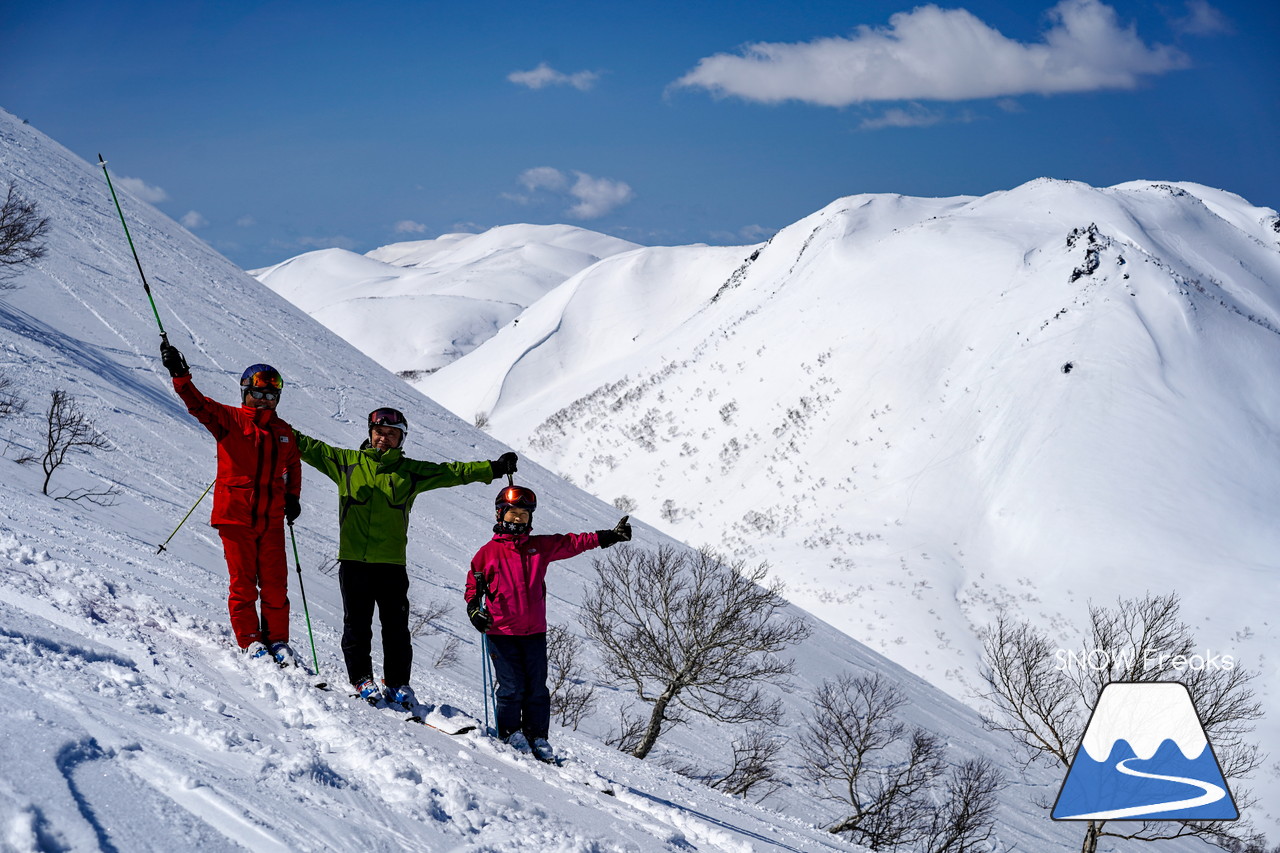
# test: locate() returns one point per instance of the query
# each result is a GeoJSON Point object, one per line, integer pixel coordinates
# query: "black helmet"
{"type": "Point", "coordinates": [514, 497]}
{"type": "Point", "coordinates": [263, 378]}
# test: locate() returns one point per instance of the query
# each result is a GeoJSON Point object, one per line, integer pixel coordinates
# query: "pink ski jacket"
{"type": "Point", "coordinates": [515, 568]}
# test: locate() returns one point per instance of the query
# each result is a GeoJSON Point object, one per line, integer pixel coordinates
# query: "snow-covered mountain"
{"type": "Point", "coordinates": [1046, 395]}
{"type": "Point", "coordinates": [127, 720]}
{"type": "Point", "coordinates": [444, 297]}
{"type": "Point", "coordinates": [918, 410]}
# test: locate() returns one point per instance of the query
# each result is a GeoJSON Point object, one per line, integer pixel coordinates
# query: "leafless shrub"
{"type": "Point", "coordinates": [630, 731]}
{"type": "Point", "coordinates": [448, 655]}
{"type": "Point", "coordinates": [754, 766]}
{"type": "Point", "coordinates": [22, 230]}
{"type": "Point", "coordinates": [69, 430]}
{"type": "Point", "coordinates": [887, 777]}
{"type": "Point", "coordinates": [686, 630]}
{"type": "Point", "coordinates": [423, 617]}
{"type": "Point", "coordinates": [424, 622]}
{"type": "Point", "coordinates": [572, 699]}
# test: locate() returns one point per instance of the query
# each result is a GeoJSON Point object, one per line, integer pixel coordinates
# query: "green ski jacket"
{"type": "Point", "coordinates": [376, 490]}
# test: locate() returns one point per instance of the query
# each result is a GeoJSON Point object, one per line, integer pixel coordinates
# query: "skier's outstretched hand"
{"type": "Point", "coordinates": [504, 464]}
{"type": "Point", "coordinates": [173, 361]}
{"type": "Point", "coordinates": [620, 533]}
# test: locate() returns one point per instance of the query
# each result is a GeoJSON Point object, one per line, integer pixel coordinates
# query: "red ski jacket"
{"type": "Point", "coordinates": [515, 568]}
{"type": "Point", "coordinates": [258, 461]}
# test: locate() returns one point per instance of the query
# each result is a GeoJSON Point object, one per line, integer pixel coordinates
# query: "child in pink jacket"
{"type": "Point", "coordinates": [507, 600]}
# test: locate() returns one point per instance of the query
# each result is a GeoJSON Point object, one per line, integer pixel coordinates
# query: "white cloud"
{"type": "Point", "coordinates": [408, 226]}
{"type": "Point", "coordinates": [246, 221]}
{"type": "Point", "coordinates": [898, 117]}
{"type": "Point", "coordinates": [592, 197]}
{"type": "Point", "coordinates": [193, 219]}
{"type": "Point", "coordinates": [931, 53]}
{"type": "Point", "coordinates": [914, 115]}
{"type": "Point", "coordinates": [143, 190]}
{"type": "Point", "coordinates": [544, 75]}
{"type": "Point", "coordinates": [598, 196]}
{"type": "Point", "coordinates": [756, 233]}
{"type": "Point", "coordinates": [543, 178]}
{"type": "Point", "coordinates": [1202, 20]}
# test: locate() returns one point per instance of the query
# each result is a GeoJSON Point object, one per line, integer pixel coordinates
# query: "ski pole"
{"type": "Point", "coordinates": [163, 336]}
{"type": "Point", "coordinates": [185, 517]}
{"type": "Point", "coordinates": [301, 589]}
{"type": "Point", "coordinates": [486, 684]}
{"type": "Point", "coordinates": [486, 667]}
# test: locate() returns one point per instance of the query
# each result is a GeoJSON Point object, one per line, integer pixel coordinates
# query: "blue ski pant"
{"type": "Point", "coordinates": [523, 701]}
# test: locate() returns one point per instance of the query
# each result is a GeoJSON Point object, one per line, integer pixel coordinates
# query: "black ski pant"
{"type": "Point", "coordinates": [363, 586]}
{"type": "Point", "coordinates": [523, 701]}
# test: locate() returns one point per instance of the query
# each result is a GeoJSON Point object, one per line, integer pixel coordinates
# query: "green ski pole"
{"type": "Point", "coordinates": [185, 517]}
{"type": "Point", "coordinates": [301, 589]}
{"type": "Point", "coordinates": [163, 336]}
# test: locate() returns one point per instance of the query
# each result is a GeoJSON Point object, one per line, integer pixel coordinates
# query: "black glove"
{"type": "Point", "coordinates": [620, 533]}
{"type": "Point", "coordinates": [479, 615]}
{"type": "Point", "coordinates": [292, 507]}
{"type": "Point", "coordinates": [173, 361]}
{"type": "Point", "coordinates": [504, 464]}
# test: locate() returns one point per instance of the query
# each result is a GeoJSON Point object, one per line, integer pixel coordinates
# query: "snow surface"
{"type": "Point", "coordinates": [921, 410]}
{"type": "Point", "coordinates": [445, 296]}
{"type": "Point", "coordinates": [127, 720]}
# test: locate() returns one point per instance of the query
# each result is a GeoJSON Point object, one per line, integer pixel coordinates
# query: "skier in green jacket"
{"type": "Point", "coordinates": [377, 485]}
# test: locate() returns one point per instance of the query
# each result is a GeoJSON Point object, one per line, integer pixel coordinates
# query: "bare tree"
{"type": "Point", "coordinates": [864, 757]}
{"type": "Point", "coordinates": [572, 698]}
{"type": "Point", "coordinates": [424, 621]}
{"type": "Point", "coordinates": [755, 765]}
{"type": "Point", "coordinates": [423, 617]}
{"type": "Point", "coordinates": [10, 402]}
{"type": "Point", "coordinates": [1043, 700]}
{"type": "Point", "coordinates": [328, 567]}
{"type": "Point", "coordinates": [965, 819]}
{"type": "Point", "coordinates": [69, 430]}
{"type": "Point", "coordinates": [688, 631]}
{"type": "Point", "coordinates": [22, 230]}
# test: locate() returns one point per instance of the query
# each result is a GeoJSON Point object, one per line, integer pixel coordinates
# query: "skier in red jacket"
{"type": "Point", "coordinates": [510, 570]}
{"type": "Point", "coordinates": [257, 487]}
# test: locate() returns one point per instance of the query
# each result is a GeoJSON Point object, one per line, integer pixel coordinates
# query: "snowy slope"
{"type": "Point", "coordinates": [919, 409]}
{"type": "Point", "coordinates": [444, 297]}
{"type": "Point", "coordinates": [127, 721]}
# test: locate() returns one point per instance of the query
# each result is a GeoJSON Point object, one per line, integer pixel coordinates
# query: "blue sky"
{"type": "Point", "coordinates": [273, 128]}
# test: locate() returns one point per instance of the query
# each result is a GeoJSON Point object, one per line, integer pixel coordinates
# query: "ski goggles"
{"type": "Point", "coordinates": [263, 379]}
{"type": "Point", "coordinates": [517, 497]}
{"type": "Point", "coordinates": [262, 394]}
{"type": "Point", "coordinates": [388, 417]}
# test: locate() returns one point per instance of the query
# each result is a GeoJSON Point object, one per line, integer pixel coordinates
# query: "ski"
{"type": "Point", "coordinates": [444, 718]}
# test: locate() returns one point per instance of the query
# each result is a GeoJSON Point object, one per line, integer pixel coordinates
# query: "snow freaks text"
{"type": "Point", "coordinates": [1099, 660]}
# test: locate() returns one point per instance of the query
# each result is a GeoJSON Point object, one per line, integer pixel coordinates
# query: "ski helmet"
{"type": "Point", "coordinates": [389, 417]}
{"type": "Point", "coordinates": [262, 378]}
{"type": "Point", "coordinates": [514, 497]}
